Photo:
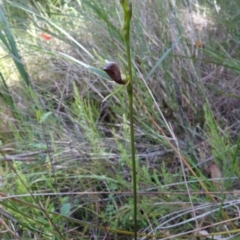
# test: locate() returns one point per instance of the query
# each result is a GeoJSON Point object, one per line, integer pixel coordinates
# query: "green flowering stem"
{"type": "Point", "coordinates": [127, 14]}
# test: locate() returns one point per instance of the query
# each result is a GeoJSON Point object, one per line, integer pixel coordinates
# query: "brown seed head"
{"type": "Point", "coordinates": [113, 72]}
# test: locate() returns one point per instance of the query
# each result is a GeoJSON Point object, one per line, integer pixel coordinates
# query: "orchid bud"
{"type": "Point", "coordinates": [114, 73]}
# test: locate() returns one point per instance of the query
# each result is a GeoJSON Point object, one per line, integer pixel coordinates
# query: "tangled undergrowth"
{"type": "Point", "coordinates": [64, 139]}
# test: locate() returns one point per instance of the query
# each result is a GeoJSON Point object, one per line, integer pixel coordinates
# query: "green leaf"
{"type": "Point", "coordinates": [44, 117]}
{"type": "Point", "coordinates": [94, 70]}
{"type": "Point", "coordinates": [8, 40]}
{"type": "Point", "coordinates": [65, 209]}
{"type": "Point", "coordinates": [162, 58]}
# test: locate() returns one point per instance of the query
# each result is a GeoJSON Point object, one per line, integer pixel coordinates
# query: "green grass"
{"type": "Point", "coordinates": [66, 169]}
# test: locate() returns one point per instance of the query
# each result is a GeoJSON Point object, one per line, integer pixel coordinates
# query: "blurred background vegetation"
{"type": "Point", "coordinates": [64, 135]}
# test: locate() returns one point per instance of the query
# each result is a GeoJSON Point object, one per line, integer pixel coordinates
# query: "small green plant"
{"type": "Point", "coordinates": [113, 71]}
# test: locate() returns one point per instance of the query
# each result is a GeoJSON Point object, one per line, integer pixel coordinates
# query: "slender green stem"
{"type": "Point", "coordinates": [127, 15]}
{"type": "Point", "coordinates": [134, 172]}
{"type": "Point", "coordinates": [130, 97]}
